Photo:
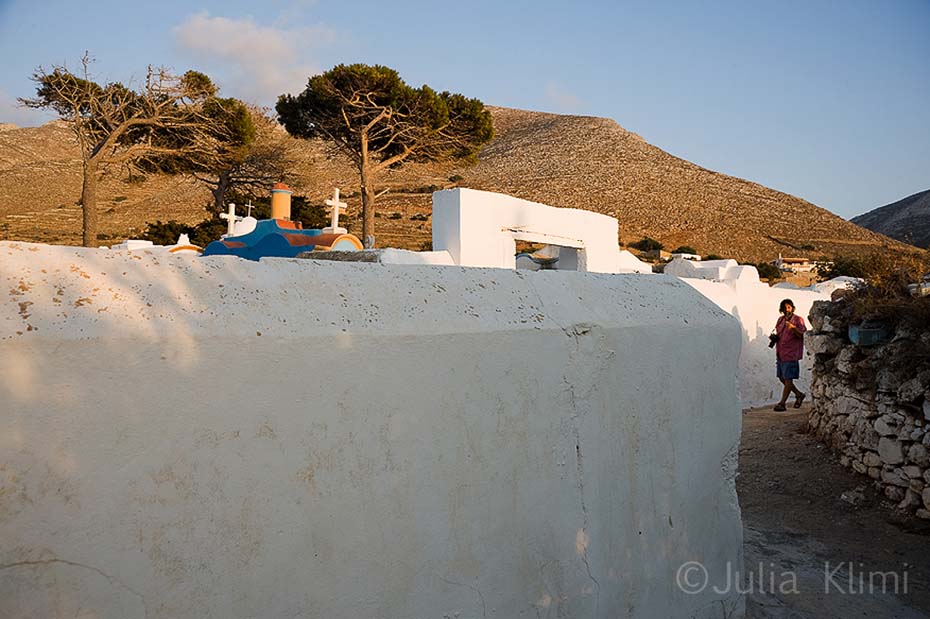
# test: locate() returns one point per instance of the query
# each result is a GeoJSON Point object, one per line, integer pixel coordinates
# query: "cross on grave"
{"type": "Point", "coordinates": [336, 206]}
{"type": "Point", "coordinates": [232, 218]}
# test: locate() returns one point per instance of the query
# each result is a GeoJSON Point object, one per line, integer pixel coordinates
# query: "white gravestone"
{"type": "Point", "coordinates": [336, 207]}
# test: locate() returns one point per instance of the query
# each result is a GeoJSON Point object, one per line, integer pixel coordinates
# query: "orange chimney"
{"type": "Point", "coordinates": [281, 201]}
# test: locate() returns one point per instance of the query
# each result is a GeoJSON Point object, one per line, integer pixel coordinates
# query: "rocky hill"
{"type": "Point", "coordinates": [566, 161]}
{"type": "Point", "coordinates": [907, 220]}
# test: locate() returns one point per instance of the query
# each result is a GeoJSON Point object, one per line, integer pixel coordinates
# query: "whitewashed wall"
{"type": "Point", "coordinates": [189, 437]}
{"type": "Point", "coordinates": [478, 229]}
{"type": "Point", "coordinates": [755, 305]}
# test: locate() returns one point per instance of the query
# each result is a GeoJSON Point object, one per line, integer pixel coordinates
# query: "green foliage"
{"type": "Point", "coordinates": [352, 103]}
{"type": "Point", "coordinates": [769, 271]}
{"type": "Point", "coordinates": [167, 124]}
{"type": "Point", "coordinates": [885, 294]}
{"type": "Point", "coordinates": [197, 86]}
{"type": "Point", "coordinates": [215, 138]}
{"type": "Point", "coordinates": [380, 122]}
{"type": "Point", "coordinates": [647, 244]}
{"type": "Point", "coordinates": [685, 249]}
{"type": "Point", "coordinates": [308, 214]}
{"type": "Point", "coordinates": [713, 257]}
{"type": "Point", "coordinates": [851, 266]}
{"type": "Point", "coordinates": [165, 233]}
{"type": "Point", "coordinates": [202, 234]}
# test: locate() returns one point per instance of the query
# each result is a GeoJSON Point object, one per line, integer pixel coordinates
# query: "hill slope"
{"type": "Point", "coordinates": [567, 161]}
{"type": "Point", "coordinates": [907, 220]}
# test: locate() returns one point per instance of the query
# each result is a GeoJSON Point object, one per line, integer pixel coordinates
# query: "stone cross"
{"type": "Point", "coordinates": [231, 218]}
{"type": "Point", "coordinates": [336, 207]}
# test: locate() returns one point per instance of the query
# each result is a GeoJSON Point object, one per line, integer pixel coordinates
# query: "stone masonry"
{"type": "Point", "coordinates": [872, 404]}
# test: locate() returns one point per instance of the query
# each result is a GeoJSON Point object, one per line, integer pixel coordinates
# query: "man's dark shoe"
{"type": "Point", "coordinates": [779, 408]}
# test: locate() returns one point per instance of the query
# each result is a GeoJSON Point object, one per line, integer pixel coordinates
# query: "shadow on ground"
{"type": "Point", "coordinates": [810, 551]}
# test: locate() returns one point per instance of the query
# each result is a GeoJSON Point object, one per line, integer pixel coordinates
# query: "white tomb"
{"type": "Point", "coordinates": [481, 228]}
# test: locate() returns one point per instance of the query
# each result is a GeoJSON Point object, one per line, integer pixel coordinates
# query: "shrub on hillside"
{"type": "Point", "coordinates": [769, 271]}
{"type": "Point", "coordinates": [849, 266]}
{"type": "Point", "coordinates": [685, 249]}
{"type": "Point", "coordinates": [647, 244]}
{"type": "Point", "coordinates": [713, 257]}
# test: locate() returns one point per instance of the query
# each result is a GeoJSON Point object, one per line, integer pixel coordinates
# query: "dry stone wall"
{"type": "Point", "coordinates": [872, 404]}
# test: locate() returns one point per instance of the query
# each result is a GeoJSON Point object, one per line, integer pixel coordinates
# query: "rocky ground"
{"type": "Point", "coordinates": [802, 509]}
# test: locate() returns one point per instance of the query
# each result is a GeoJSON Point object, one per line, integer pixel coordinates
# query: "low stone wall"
{"type": "Point", "coordinates": [186, 437]}
{"type": "Point", "coordinates": [872, 404]}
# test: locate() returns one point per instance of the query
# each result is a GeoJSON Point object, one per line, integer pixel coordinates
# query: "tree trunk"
{"type": "Point", "coordinates": [368, 205]}
{"type": "Point", "coordinates": [89, 203]}
{"type": "Point", "coordinates": [219, 193]}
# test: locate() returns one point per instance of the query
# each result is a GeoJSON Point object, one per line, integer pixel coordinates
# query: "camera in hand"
{"type": "Point", "coordinates": [773, 339]}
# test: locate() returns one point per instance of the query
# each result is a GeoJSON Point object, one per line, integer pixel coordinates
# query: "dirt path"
{"type": "Point", "coordinates": [795, 522]}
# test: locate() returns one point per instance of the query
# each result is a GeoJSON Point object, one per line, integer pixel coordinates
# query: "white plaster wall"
{"type": "Point", "coordinates": [755, 305]}
{"type": "Point", "coordinates": [477, 229]}
{"type": "Point", "coordinates": [226, 438]}
{"type": "Point", "coordinates": [728, 270]}
{"type": "Point", "coordinates": [390, 255]}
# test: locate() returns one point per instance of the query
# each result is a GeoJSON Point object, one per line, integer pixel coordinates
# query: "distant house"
{"type": "Point", "coordinates": [794, 265]}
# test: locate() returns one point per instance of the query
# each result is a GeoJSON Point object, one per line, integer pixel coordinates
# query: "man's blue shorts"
{"type": "Point", "coordinates": [787, 369]}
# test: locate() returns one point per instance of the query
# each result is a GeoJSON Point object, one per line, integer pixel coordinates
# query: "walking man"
{"type": "Point", "coordinates": [789, 349]}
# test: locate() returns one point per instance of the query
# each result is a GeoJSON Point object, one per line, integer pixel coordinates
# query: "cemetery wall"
{"type": "Point", "coordinates": [755, 305]}
{"type": "Point", "coordinates": [219, 438]}
{"type": "Point", "coordinates": [872, 404]}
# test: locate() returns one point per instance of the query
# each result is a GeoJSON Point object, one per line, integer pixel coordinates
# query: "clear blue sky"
{"type": "Point", "coordinates": [826, 100]}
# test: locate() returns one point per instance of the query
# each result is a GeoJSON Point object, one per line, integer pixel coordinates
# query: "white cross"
{"type": "Point", "coordinates": [232, 218]}
{"type": "Point", "coordinates": [336, 207]}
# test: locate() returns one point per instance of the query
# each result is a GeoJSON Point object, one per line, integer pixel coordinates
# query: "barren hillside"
{"type": "Point", "coordinates": [907, 220]}
{"type": "Point", "coordinates": [568, 161]}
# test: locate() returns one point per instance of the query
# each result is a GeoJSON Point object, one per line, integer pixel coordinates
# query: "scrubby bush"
{"type": "Point", "coordinates": [769, 271]}
{"type": "Point", "coordinates": [850, 266]}
{"type": "Point", "coordinates": [165, 233]}
{"type": "Point", "coordinates": [713, 257]}
{"type": "Point", "coordinates": [885, 293]}
{"type": "Point", "coordinates": [309, 215]}
{"type": "Point", "coordinates": [685, 249]}
{"type": "Point", "coordinates": [647, 244]}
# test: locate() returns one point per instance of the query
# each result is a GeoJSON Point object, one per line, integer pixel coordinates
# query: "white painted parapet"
{"type": "Point", "coordinates": [297, 438]}
{"type": "Point", "coordinates": [479, 229]}
{"type": "Point", "coordinates": [737, 289]}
